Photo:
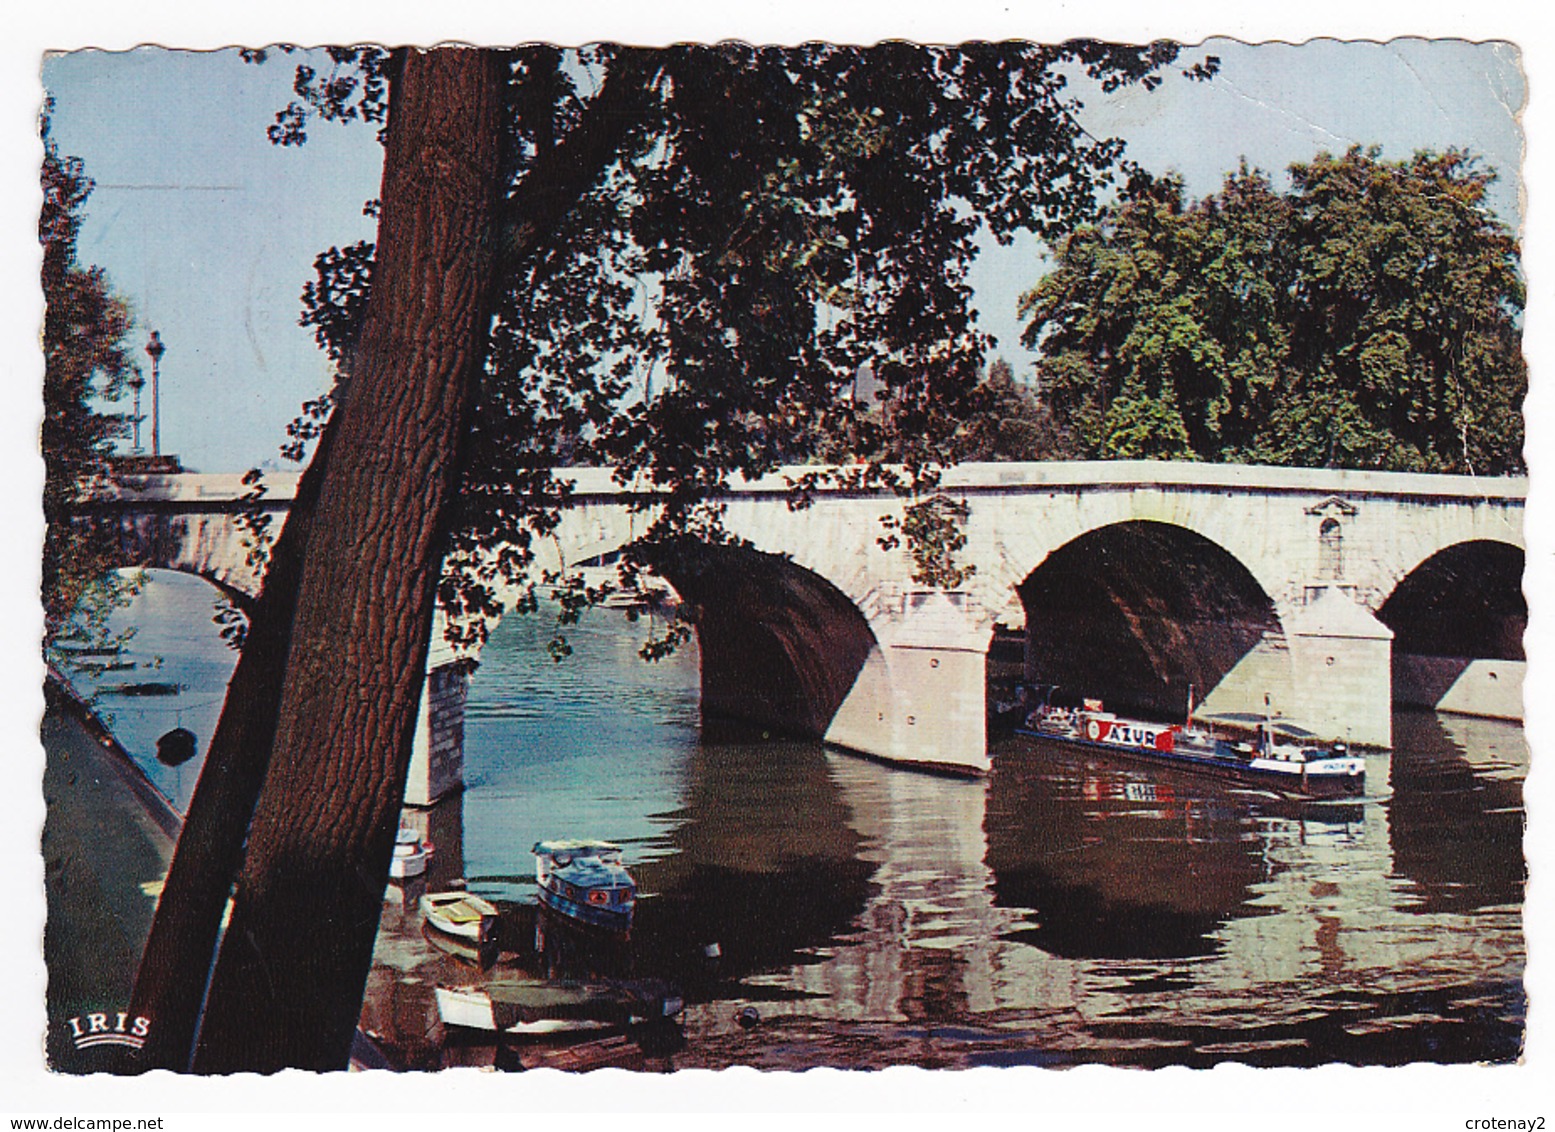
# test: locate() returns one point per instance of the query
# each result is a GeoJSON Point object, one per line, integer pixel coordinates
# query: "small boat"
{"type": "Point", "coordinates": [586, 882]}
{"type": "Point", "coordinates": [482, 955]}
{"type": "Point", "coordinates": [93, 669]}
{"type": "Point", "coordinates": [410, 854]}
{"type": "Point", "coordinates": [461, 914]}
{"type": "Point", "coordinates": [541, 1006]}
{"type": "Point", "coordinates": [145, 688]}
{"type": "Point", "coordinates": [1279, 753]}
{"type": "Point", "coordinates": [81, 648]}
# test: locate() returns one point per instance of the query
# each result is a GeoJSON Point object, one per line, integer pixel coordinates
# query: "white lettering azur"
{"type": "Point", "coordinates": [1129, 736]}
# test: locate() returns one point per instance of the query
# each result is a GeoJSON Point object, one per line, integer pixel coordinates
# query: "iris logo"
{"type": "Point", "coordinates": [90, 1030]}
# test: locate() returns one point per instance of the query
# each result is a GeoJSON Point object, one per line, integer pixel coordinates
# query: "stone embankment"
{"type": "Point", "coordinates": [108, 839]}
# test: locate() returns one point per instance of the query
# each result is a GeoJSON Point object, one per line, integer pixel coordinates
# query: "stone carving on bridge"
{"type": "Point", "coordinates": [1334, 505]}
{"type": "Point", "coordinates": [1332, 512]}
{"type": "Point", "coordinates": [1330, 537]}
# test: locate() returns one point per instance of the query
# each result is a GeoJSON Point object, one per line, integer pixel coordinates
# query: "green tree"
{"type": "Point", "coordinates": [1012, 423]}
{"type": "Point", "coordinates": [86, 362]}
{"type": "Point", "coordinates": [748, 224]}
{"type": "Point", "coordinates": [1369, 318]}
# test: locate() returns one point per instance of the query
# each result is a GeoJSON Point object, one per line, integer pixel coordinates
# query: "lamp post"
{"type": "Point", "coordinates": [156, 350]}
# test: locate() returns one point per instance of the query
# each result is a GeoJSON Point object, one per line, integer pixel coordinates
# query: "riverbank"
{"type": "Point", "coordinates": [108, 839]}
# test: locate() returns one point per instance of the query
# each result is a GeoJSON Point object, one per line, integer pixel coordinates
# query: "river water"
{"type": "Point", "coordinates": [1066, 908]}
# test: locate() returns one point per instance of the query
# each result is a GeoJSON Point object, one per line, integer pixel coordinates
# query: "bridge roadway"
{"type": "Point", "coordinates": [1332, 593]}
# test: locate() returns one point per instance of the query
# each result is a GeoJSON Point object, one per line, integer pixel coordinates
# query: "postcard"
{"type": "Point", "coordinates": [1002, 554]}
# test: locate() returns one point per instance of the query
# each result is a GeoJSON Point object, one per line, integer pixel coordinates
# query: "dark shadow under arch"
{"type": "Point", "coordinates": [1463, 601]}
{"type": "Point", "coordinates": [1136, 612]}
{"type": "Point", "coordinates": [781, 646]}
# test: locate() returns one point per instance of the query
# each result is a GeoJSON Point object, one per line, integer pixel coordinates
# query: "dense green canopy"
{"type": "Point", "coordinates": [1012, 423]}
{"type": "Point", "coordinates": [1367, 318]}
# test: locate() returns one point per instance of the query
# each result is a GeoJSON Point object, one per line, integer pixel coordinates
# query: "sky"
{"type": "Point", "coordinates": [225, 411]}
{"type": "Point", "coordinates": [209, 231]}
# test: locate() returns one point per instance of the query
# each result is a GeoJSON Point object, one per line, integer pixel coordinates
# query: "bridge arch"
{"type": "Point", "coordinates": [781, 646]}
{"type": "Point", "coordinates": [1010, 535]}
{"type": "Point", "coordinates": [224, 547]}
{"type": "Point", "coordinates": [1458, 619]}
{"type": "Point", "coordinates": [1139, 611]}
{"type": "Point", "coordinates": [1464, 600]}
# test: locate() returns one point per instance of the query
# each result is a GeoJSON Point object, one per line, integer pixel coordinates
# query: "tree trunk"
{"type": "Point", "coordinates": [176, 967]}
{"type": "Point", "coordinates": [288, 983]}
{"type": "Point", "coordinates": [176, 964]}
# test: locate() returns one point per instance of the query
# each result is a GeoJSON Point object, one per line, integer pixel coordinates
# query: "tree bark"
{"type": "Point", "coordinates": [288, 982]}
{"type": "Point", "coordinates": [176, 966]}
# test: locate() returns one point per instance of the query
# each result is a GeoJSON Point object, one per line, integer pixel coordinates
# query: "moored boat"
{"type": "Point", "coordinates": [468, 950]}
{"type": "Point", "coordinates": [461, 914]}
{"type": "Point", "coordinates": [410, 854]}
{"type": "Point", "coordinates": [586, 882]}
{"type": "Point", "coordinates": [1260, 749]}
{"type": "Point", "coordinates": [143, 688]}
{"type": "Point", "coordinates": [540, 1006]}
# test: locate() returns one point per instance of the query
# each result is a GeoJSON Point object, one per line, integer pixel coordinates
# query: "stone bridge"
{"type": "Point", "coordinates": [1327, 595]}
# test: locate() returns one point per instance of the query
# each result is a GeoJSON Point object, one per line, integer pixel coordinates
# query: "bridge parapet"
{"type": "Point", "coordinates": [599, 484]}
{"type": "Point", "coordinates": [202, 489]}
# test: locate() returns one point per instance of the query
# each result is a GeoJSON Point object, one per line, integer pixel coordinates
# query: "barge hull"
{"type": "Point", "coordinates": [1293, 784]}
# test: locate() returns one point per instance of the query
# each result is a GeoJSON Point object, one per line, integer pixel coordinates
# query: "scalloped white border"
{"type": "Point", "coordinates": [1229, 1097]}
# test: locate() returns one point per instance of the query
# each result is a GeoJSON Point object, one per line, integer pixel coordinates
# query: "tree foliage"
{"type": "Point", "coordinates": [714, 269]}
{"type": "Point", "coordinates": [87, 361]}
{"type": "Point", "coordinates": [1367, 318]}
{"type": "Point", "coordinates": [1012, 422]}
{"type": "Point", "coordinates": [935, 532]}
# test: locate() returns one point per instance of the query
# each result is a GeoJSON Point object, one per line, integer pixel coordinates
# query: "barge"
{"type": "Point", "coordinates": [1278, 753]}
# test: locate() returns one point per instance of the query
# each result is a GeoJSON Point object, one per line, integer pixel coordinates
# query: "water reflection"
{"type": "Point", "coordinates": [1456, 813]}
{"type": "Point", "coordinates": [921, 948]}
{"type": "Point", "coordinates": [1115, 862]}
{"type": "Point", "coordinates": [764, 864]}
{"type": "Point", "coordinates": [1067, 908]}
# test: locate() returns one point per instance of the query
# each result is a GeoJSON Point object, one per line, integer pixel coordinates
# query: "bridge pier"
{"type": "Point", "coordinates": [437, 759]}
{"type": "Point", "coordinates": [437, 756]}
{"type": "Point", "coordinates": [919, 699]}
{"type": "Point", "coordinates": [1341, 660]}
{"type": "Point", "coordinates": [1331, 671]}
